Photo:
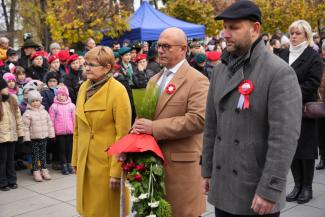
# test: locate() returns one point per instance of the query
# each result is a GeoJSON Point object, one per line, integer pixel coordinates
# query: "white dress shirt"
{"type": "Point", "coordinates": [170, 77]}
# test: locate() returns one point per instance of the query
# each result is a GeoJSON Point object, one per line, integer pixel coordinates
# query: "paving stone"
{"type": "Point", "coordinates": [303, 211]}
{"type": "Point", "coordinates": [65, 195]}
{"type": "Point", "coordinates": [59, 210]}
{"type": "Point", "coordinates": [26, 205]}
{"type": "Point", "coordinates": [318, 202]}
{"type": "Point", "coordinates": [53, 185]}
{"type": "Point", "coordinates": [15, 195]}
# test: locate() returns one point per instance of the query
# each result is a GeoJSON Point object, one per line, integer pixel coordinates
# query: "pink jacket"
{"type": "Point", "coordinates": [63, 116]}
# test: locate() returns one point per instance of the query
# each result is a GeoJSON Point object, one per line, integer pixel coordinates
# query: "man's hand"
{"type": "Point", "coordinates": [114, 183]}
{"type": "Point", "coordinates": [262, 206]}
{"type": "Point", "coordinates": [142, 126]}
{"type": "Point", "coordinates": [206, 185]}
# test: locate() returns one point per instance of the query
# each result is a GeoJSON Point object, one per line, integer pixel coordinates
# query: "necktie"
{"type": "Point", "coordinates": [163, 81]}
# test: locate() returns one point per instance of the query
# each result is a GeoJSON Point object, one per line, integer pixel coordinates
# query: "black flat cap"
{"type": "Point", "coordinates": [241, 10]}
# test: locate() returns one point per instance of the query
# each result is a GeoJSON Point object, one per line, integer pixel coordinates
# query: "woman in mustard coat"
{"type": "Point", "coordinates": [103, 116]}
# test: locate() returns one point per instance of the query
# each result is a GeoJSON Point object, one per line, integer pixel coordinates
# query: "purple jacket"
{"type": "Point", "coordinates": [63, 116]}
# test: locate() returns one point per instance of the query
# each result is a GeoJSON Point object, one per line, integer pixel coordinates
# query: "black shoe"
{"type": "Point", "coordinates": [70, 169]}
{"type": "Point", "coordinates": [6, 188]}
{"type": "Point", "coordinates": [321, 164]}
{"type": "Point", "coordinates": [56, 166]}
{"type": "Point", "coordinates": [13, 186]}
{"type": "Point", "coordinates": [65, 170]}
{"type": "Point", "coordinates": [305, 195]}
{"type": "Point", "coordinates": [293, 195]}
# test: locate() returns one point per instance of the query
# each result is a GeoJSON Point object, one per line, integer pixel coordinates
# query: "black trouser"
{"type": "Point", "coordinates": [220, 213]}
{"type": "Point", "coordinates": [65, 148]}
{"type": "Point", "coordinates": [321, 137]}
{"type": "Point", "coordinates": [303, 172]}
{"type": "Point", "coordinates": [7, 164]}
{"type": "Point", "coordinates": [39, 153]}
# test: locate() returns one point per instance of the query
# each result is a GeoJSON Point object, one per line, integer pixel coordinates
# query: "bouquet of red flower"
{"type": "Point", "coordinates": [143, 164]}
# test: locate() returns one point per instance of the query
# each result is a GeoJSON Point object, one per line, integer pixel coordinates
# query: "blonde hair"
{"type": "Point", "coordinates": [103, 55]}
{"type": "Point", "coordinates": [304, 26]}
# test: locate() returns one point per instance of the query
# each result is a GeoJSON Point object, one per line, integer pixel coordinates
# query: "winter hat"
{"type": "Point", "coordinates": [54, 45]}
{"type": "Point", "coordinates": [199, 58]}
{"type": "Point", "coordinates": [34, 95]}
{"type": "Point", "coordinates": [52, 58]}
{"type": "Point", "coordinates": [124, 50]}
{"type": "Point", "coordinates": [3, 84]}
{"type": "Point", "coordinates": [11, 52]}
{"type": "Point", "coordinates": [63, 55]}
{"type": "Point", "coordinates": [33, 84]}
{"type": "Point", "coordinates": [141, 57]}
{"type": "Point", "coordinates": [284, 40]}
{"type": "Point", "coordinates": [213, 55]}
{"type": "Point", "coordinates": [30, 43]}
{"type": "Point", "coordinates": [36, 54]}
{"type": "Point", "coordinates": [116, 54]}
{"type": "Point", "coordinates": [62, 90]}
{"type": "Point", "coordinates": [9, 77]}
{"type": "Point", "coordinates": [52, 75]}
{"type": "Point", "coordinates": [72, 58]}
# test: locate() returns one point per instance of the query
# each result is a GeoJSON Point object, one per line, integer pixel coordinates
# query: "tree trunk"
{"type": "Point", "coordinates": [12, 17]}
{"type": "Point", "coordinates": [5, 14]}
{"type": "Point", "coordinates": [156, 4]}
{"type": "Point", "coordinates": [45, 28]}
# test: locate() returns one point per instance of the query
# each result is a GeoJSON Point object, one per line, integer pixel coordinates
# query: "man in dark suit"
{"type": "Point", "coordinates": [252, 121]}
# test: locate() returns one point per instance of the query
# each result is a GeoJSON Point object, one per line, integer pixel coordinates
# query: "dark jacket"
{"type": "Point", "coordinates": [153, 68]}
{"type": "Point", "coordinates": [123, 79]}
{"type": "Point", "coordinates": [36, 73]}
{"type": "Point", "coordinates": [73, 81]}
{"type": "Point", "coordinates": [48, 97]}
{"type": "Point", "coordinates": [309, 70]}
{"type": "Point", "coordinates": [26, 63]}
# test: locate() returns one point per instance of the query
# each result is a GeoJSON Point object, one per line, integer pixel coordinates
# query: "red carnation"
{"type": "Point", "coordinates": [140, 167]}
{"type": "Point", "coordinates": [125, 167]}
{"type": "Point", "coordinates": [137, 177]}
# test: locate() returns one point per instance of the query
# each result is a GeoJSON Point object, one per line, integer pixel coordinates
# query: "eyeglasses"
{"type": "Point", "coordinates": [166, 47]}
{"type": "Point", "coordinates": [91, 65]}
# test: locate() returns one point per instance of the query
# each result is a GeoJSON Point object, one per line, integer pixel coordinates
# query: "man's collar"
{"type": "Point", "coordinates": [176, 67]}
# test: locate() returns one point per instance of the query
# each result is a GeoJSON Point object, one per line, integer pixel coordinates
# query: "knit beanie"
{"type": "Point", "coordinates": [52, 75]}
{"type": "Point", "coordinates": [34, 95]}
{"type": "Point", "coordinates": [3, 84]}
{"type": "Point", "coordinates": [54, 45]}
{"type": "Point", "coordinates": [62, 90]}
{"type": "Point", "coordinates": [9, 77]}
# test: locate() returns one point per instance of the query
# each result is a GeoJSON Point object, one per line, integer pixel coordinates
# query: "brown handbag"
{"type": "Point", "coordinates": [315, 110]}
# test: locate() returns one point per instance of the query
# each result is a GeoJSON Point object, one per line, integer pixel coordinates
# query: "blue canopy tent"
{"type": "Point", "coordinates": [147, 23]}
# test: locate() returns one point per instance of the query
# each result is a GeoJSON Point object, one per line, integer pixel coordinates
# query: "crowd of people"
{"type": "Point", "coordinates": [48, 113]}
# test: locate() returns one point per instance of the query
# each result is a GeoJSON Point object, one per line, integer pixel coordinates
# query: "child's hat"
{"type": "Point", "coordinates": [62, 90]}
{"type": "Point", "coordinates": [36, 54]}
{"type": "Point", "coordinates": [9, 77]}
{"type": "Point", "coordinates": [34, 95]}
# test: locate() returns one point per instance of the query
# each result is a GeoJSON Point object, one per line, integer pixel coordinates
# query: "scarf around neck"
{"type": "Point", "coordinates": [95, 86]}
{"type": "Point", "coordinates": [296, 51]}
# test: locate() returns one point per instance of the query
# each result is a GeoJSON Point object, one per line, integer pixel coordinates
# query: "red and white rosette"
{"type": "Point", "coordinates": [170, 89]}
{"type": "Point", "coordinates": [245, 88]}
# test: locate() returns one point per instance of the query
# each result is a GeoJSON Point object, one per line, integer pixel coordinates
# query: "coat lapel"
{"type": "Point", "coordinates": [98, 101]}
{"type": "Point", "coordinates": [232, 82]}
{"type": "Point", "coordinates": [178, 81]}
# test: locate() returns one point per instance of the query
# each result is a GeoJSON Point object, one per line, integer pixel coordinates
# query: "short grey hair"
{"type": "Point", "coordinates": [304, 26]}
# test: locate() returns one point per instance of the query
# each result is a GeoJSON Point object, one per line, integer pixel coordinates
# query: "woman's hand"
{"type": "Point", "coordinates": [75, 169]}
{"type": "Point", "coordinates": [114, 183]}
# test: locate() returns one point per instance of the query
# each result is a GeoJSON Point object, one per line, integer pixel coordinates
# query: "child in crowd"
{"type": "Point", "coordinates": [48, 93]}
{"type": "Point", "coordinates": [21, 81]}
{"type": "Point", "coordinates": [62, 113]}
{"type": "Point", "coordinates": [38, 129]}
{"type": "Point", "coordinates": [12, 130]}
{"type": "Point", "coordinates": [11, 83]}
{"type": "Point", "coordinates": [38, 68]}
{"type": "Point", "coordinates": [74, 79]}
{"type": "Point", "coordinates": [54, 67]}
{"type": "Point", "coordinates": [28, 87]}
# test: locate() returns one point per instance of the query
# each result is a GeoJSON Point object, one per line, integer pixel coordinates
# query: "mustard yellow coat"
{"type": "Point", "coordinates": [102, 120]}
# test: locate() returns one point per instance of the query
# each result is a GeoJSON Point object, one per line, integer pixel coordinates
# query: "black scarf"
{"type": "Point", "coordinates": [235, 63]}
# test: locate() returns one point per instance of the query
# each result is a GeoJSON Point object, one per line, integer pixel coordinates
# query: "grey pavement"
{"type": "Point", "coordinates": [56, 198]}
